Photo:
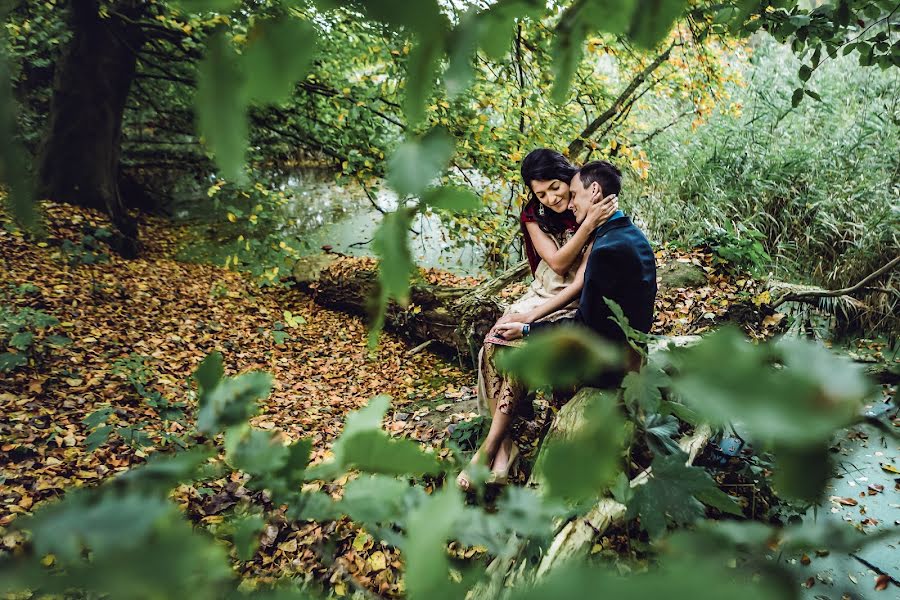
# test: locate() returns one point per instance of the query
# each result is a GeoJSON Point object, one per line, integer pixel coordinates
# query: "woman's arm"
{"type": "Point", "coordinates": [562, 298]}
{"type": "Point", "coordinates": [561, 259]}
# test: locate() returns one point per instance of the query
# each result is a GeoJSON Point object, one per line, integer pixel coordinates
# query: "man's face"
{"type": "Point", "coordinates": [580, 197]}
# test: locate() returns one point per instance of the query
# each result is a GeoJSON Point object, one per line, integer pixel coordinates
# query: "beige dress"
{"type": "Point", "coordinates": [494, 387]}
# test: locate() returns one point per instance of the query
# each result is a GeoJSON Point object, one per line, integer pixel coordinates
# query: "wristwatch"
{"type": "Point", "coordinates": [526, 329]}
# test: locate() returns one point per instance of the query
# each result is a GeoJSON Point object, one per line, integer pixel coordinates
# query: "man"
{"type": "Point", "coordinates": [620, 267]}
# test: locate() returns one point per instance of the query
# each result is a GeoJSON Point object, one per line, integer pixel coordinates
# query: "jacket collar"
{"type": "Point", "coordinates": [610, 225]}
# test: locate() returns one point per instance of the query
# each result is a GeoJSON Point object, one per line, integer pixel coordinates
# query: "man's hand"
{"type": "Point", "coordinates": [510, 331]}
{"type": "Point", "coordinates": [601, 210]}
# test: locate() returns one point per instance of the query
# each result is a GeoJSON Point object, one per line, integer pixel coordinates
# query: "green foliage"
{"type": "Point", "coordinates": [221, 106]}
{"type": "Point", "coordinates": [88, 250]}
{"type": "Point", "coordinates": [226, 402]}
{"type": "Point", "coordinates": [365, 446]}
{"type": "Point", "coordinates": [278, 54]}
{"type": "Point", "coordinates": [24, 330]}
{"type": "Point", "coordinates": [740, 246]}
{"type": "Point", "coordinates": [674, 493]}
{"type": "Point", "coordinates": [562, 357]}
{"type": "Point", "coordinates": [792, 410]}
{"type": "Point", "coordinates": [817, 181]}
{"type": "Point", "coordinates": [582, 466]}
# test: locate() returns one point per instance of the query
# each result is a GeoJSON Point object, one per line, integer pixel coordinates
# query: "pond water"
{"type": "Point", "coordinates": [345, 217]}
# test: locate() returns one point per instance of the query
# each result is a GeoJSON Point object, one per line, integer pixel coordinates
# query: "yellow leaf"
{"type": "Point", "coordinates": [378, 561]}
{"type": "Point", "coordinates": [762, 298]}
{"type": "Point", "coordinates": [890, 468]}
{"type": "Point", "coordinates": [231, 217]}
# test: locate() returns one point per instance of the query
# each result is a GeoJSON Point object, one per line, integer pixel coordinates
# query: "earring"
{"type": "Point", "coordinates": [541, 210]}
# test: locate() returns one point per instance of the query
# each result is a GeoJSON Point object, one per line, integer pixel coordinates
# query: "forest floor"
{"type": "Point", "coordinates": [139, 328]}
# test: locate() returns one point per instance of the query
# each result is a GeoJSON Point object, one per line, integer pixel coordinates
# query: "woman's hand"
{"type": "Point", "coordinates": [510, 318]}
{"type": "Point", "coordinates": [510, 331]}
{"type": "Point", "coordinates": [601, 210]}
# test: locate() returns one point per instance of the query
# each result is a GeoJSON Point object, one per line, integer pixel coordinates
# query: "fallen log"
{"type": "Point", "coordinates": [452, 320]}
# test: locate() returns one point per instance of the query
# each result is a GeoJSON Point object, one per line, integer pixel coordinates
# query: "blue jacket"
{"type": "Point", "coordinates": [621, 267]}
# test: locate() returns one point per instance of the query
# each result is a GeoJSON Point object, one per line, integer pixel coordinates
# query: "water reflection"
{"type": "Point", "coordinates": [345, 217]}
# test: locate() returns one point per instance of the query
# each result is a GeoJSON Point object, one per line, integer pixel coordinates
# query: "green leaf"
{"type": "Point", "coordinates": [22, 340]}
{"type": "Point", "coordinates": [278, 55]}
{"type": "Point", "coordinates": [209, 373]}
{"type": "Point", "coordinates": [805, 72]}
{"type": "Point", "coordinates": [660, 431]}
{"type": "Point", "coordinates": [584, 463]}
{"type": "Point", "coordinates": [162, 472]}
{"type": "Point", "coordinates": [567, 52]}
{"type": "Point", "coordinates": [420, 76]}
{"type": "Point", "coordinates": [727, 379]}
{"type": "Point", "coordinates": [221, 106]}
{"type": "Point", "coordinates": [254, 451]}
{"type": "Point", "coordinates": [619, 318]}
{"type": "Point", "coordinates": [653, 19]}
{"type": "Point", "coordinates": [376, 452]}
{"type": "Point", "coordinates": [801, 474]}
{"type": "Point", "coordinates": [643, 388]}
{"type": "Point", "coordinates": [815, 96]}
{"type": "Point", "coordinates": [280, 337]}
{"type": "Point", "coordinates": [673, 493]}
{"type": "Point", "coordinates": [417, 162]}
{"type": "Point", "coordinates": [375, 499]}
{"type": "Point", "coordinates": [452, 199]}
{"type": "Point", "coordinates": [246, 536]}
{"type": "Point", "coordinates": [98, 417]}
{"type": "Point", "coordinates": [797, 97]}
{"type": "Point", "coordinates": [10, 361]}
{"type": "Point", "coordinates": [427, 566]}
{"type": "Point", "coordinates": [97, 437]}
{"type": "Point", "coordinates": [232, 402]}
{"type": "Point", "coordinates": [561, 357]}
{"type": "Point", "coordinates": [391, 244]}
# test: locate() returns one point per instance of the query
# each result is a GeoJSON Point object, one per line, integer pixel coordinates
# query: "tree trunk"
{"type": "Point", "coordinates": [78, 160]}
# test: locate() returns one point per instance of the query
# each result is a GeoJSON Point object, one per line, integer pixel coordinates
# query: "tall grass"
{"type": "Point", "coordinates": [821, 182]}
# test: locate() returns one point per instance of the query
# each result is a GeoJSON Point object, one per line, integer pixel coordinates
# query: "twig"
{"type": "Point", "coordinates": [419, 348]}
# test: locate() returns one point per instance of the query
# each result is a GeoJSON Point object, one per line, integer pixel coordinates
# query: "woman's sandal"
{"type": "Point", "coordinates": [502, 477]}
{"type": "Point", "coordinates": [463, 480]}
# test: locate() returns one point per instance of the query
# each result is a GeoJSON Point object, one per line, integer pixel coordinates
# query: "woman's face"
{"type": "Point", "coordinates": [554, 194]}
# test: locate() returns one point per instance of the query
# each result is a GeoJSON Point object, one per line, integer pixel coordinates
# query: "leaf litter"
{"type": "Point", "coordinates": [171, 314]}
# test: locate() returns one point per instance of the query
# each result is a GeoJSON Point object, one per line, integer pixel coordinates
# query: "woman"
{"type": "Point", "coordinates": [554, 245]}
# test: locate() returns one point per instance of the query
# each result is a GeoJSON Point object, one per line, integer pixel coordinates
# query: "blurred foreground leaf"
{"type": "Point", "coordinates": [562, 357]}
{"type": "Point", "coordinates": [674, 493]}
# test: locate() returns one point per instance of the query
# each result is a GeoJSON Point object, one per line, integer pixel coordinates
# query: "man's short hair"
{"type": "Point", "coordinates": [605, 173]}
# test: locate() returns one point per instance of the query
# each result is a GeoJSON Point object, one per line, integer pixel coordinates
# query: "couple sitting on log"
{"type": "Point", "coordinates": [581, 249]}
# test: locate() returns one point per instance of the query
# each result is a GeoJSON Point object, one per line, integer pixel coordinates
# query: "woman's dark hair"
{"type": "Point", "coordinates": [544, 164]}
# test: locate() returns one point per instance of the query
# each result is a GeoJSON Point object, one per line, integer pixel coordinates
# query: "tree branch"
{"type": "Point", "coordinates": [577, 145]}
{"type": "Point", "coordinates": [806, 295]}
